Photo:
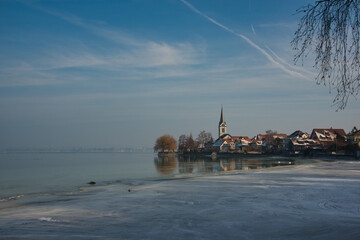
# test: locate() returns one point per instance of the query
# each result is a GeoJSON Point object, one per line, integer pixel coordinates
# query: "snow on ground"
{"type": "Point", "coordinates": [315, 201]}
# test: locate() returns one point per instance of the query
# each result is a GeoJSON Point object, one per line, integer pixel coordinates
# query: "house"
{"type": "Point", "coordinates": [354, 136]}
{"type": "Point", "coordinates": [329, 138]}
{"type": "Point", "coordinates": [271, 141]}
{"type": "Point", "coordinates": [279, 140]}
{"type": "Point", "coordinates": [300, 146]}
{"type": "Point", "coordinates": [298, 142]}
{"type": "Point", "coordinates": [257, 141]}
{"type": "Point", "coordinates": [324, 135]}
{"type": "Point", "coordinates": [224, 144]}
{"type": "Point", "coordinates": [241, 142]}
{"type": "Point", "coordinates": [299, 135]}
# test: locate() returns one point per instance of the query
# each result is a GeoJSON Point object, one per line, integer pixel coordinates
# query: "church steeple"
{"type": "Point", "coordinates": [221, 116]}
{"type": "Point", "coordinates": [222, 123]}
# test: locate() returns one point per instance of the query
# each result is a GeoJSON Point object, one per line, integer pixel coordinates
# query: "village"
{"type": "Point", "coordinates": [321, 141]}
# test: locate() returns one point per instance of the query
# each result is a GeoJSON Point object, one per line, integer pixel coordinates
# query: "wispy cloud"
{"type": "Point", "coordinates": [99, 28]}
{"type": "Point", "coordinates": [127, 58]}
{"type": "Point", "coordinates": [143, 52]}
{"type": "Point", "coordinates": [159, 55]}
{"type": "Point", "coordinates": [134, 56]}
{"type": "Point", "coordinates": [251, 43]}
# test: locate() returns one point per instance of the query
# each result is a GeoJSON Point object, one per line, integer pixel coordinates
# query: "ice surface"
{"type": "Point", "coordinates": [316, 201]}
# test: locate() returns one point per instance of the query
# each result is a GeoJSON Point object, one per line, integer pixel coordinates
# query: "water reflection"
{"type": "Point", "coordinates": [227, 164]}
{"type": "Point", "coordinates": [165, 164]}
{"type": "Point", "coordinates": [171, 164]}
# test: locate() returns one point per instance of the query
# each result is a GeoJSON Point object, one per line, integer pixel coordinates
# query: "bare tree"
{"type": "Point", "coordinates": [270, 137]}
{"type": "Point", "coordinates": [182, 147]}
{"type": "Point", "coordinates": [333, 28]}
{"type": "Point", "coordinates": [191, 143]}
{"type": "Point", "coordinates": [204, 137]}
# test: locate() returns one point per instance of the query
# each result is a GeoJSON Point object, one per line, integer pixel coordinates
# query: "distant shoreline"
{"type": "Point", "coordinates": [227, 154]}
{"type": "Point", "coordinates": [75, 151]}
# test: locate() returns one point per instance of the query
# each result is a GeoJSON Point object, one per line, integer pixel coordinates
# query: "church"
{"type": "Point", "coordinates": [222, 126]}
{"type": "Point", "coordinates": [226, 142]}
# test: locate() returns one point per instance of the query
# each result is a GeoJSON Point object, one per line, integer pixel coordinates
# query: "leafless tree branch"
{"type": "Point", "coordinates": [332, 27]}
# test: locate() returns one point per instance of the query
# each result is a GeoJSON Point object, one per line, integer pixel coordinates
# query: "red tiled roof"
{"type": "Point", "coordinates": [280, 135]}
{"type": "Point", "coordinates": [261, 136]}
{"type": "Point", "coordinates": [241, 137]}
{"type": "Point", "coordinates": [340, 132]}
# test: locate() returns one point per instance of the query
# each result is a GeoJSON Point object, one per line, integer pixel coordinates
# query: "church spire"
{"type": "Point", "coordinates": [222, 115]}
{"type": "Point", "coordinates": [222, 123]}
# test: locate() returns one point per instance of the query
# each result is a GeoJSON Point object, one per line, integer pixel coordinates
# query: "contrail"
{"type": "Point", "coordinates": [268, 56]}
{"type": "Point", "coordinates": [289, 65]}
{"type": "Point", "coordinates": [253, 29]}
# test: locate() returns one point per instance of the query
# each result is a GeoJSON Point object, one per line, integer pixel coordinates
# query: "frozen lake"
{"type": "Point", "coordinates": [312, 201]}
{"type": "Point", "coordinates": [23, 174]}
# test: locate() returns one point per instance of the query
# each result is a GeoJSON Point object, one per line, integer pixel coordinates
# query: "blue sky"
{"type": "Point", "coordinates": [121, 73]}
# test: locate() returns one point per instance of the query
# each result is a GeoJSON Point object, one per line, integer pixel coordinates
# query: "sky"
{"type": "Point", "coordinates": [122, 73]}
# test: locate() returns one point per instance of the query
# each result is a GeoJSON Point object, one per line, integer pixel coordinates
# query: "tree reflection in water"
{"type": "Point", "coordinates": [165, 164]}
{"type": "Point", "coordinates": [168, 164]}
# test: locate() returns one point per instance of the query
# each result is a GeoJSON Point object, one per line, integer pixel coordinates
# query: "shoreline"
{"type": "Point", "coordinates": [264, 155]}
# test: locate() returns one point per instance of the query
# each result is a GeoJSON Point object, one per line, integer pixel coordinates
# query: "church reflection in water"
{"type": "Point", "coordinates": [173, 164]}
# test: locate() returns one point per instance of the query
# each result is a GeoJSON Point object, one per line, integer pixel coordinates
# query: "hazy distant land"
{"type": "Point", "coordinates": [80, 150]}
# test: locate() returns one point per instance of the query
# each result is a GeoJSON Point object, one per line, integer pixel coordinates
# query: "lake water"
{"type": "Point", "coordinates": [176, 197]}
{"type": "Point", "coordinates": [48, 173]}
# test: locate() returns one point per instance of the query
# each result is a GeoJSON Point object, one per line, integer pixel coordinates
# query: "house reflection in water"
{"type": "Point", "coordinates": [195, 165]}
{"type": "Point", "coordinates": [227, 164]}
{"type": "Point", "coordinates": [168, 164]}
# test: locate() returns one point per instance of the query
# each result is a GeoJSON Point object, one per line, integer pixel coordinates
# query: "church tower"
{"type": "Point", "coordinates": [222, 123]}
